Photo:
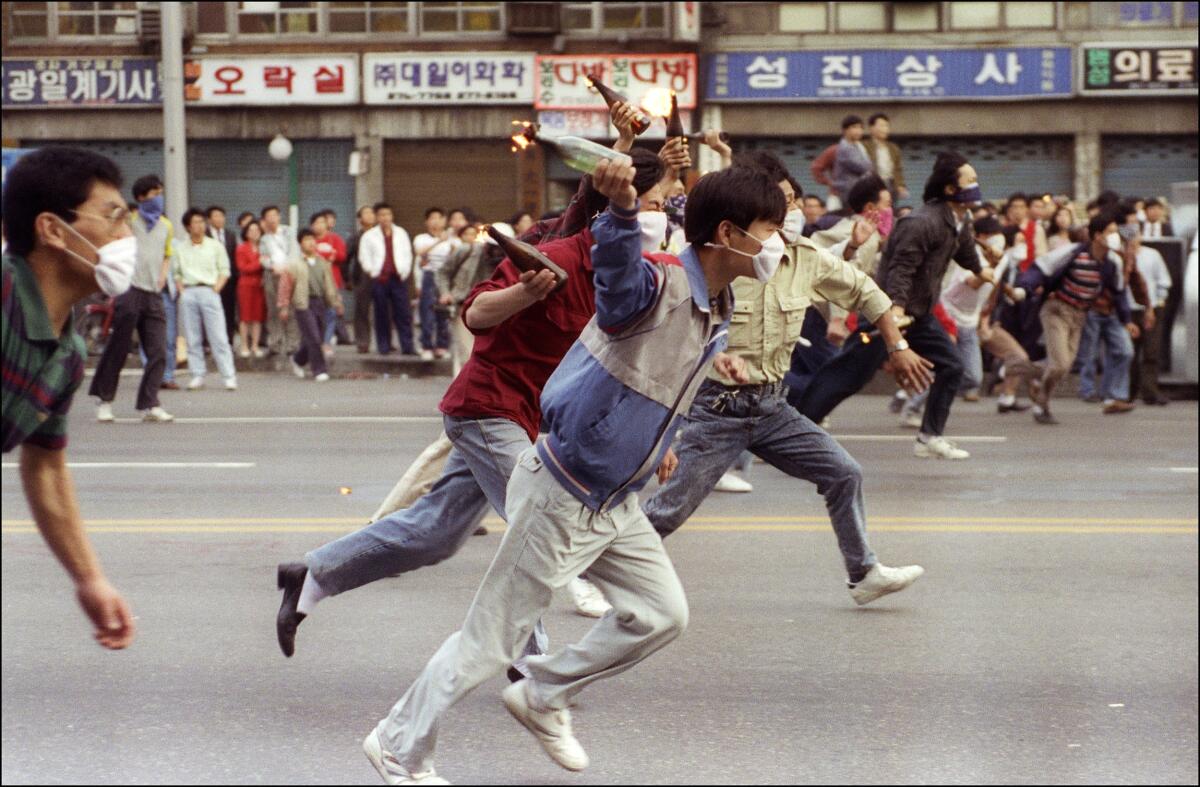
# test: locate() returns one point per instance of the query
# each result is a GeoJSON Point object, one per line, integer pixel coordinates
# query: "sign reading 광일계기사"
{"type": "Point", "coordinates": [71, 82]}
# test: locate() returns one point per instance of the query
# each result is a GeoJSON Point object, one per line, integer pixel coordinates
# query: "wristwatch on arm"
{"type": "Point", "coordinates": [898, 346]}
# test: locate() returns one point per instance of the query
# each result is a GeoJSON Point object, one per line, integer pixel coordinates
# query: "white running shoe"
{"type": "Point", "coordinates": [231, 384]}
{"type": "Point", "coordinates": [882, 580]}
{"type": "Point", "coordinates": [322, 377]}
{"type": "Point", "coordinates": [243, 353]}
{"type": "Point", "coordinates": [195, 384]}
{"type": "Point", "coordinates": [104, 413]}
{"type": "Point", "coordinates": [589, 601]}
{"type": "Point", "coordinates": [939, 448]}
{"type": "Point", "coordinates": [260, 352]}
{"type": "Point", "coordinates": [298, 370]}
{"type": "Point", "coordinates": [912, 420]}
{"type": "Point", "coordinates": [552, 728]}
{"type": "Point", "coordinates": [731, 483]}
{"type": "Point", "coordinates": [157, 415]}
{"type": "Point", "coordinates": [390, 769]}
{"type": "Point", "coordinates": [426, 355]}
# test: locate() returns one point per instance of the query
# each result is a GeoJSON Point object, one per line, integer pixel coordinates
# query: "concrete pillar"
{"type": "Point", "coordinates": [174, 137]}
{"type": "Point", "coordinates": [368, 187]}
{"type": "Point", "coordinates": [1087, 166]}
{"type": "Point", "coordinates": [708, 160]}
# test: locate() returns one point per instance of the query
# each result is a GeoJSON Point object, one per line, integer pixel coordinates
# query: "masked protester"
{"type": "Point", "coordinates": [68, 234]}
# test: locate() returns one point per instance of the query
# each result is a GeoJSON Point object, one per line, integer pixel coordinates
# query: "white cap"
{"type": "Point", "coordinates": [502, 228]}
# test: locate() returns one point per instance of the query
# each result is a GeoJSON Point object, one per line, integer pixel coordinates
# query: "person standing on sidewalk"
{"type": "Point", "coordinates": [141, 308]}
{"type": "Point", "coordinates": [229, 239]}
{"type": "Point", "coordinates": [308, 289]}
{"type": "Point", "coordinates": [201, 271]}
{"type": "Point", "coordinates": [68, 236]}
{"type": "Point", "coordinates": [276, 249]}
{"type": "Point", "coordinates": [360, 281]}
{"type": "Point", "coordinates": [431, 248]}
{"type": "Point", "coordinates": [385, 254]}
{"type": "Point", "coordinates": [1148, 347]}
{"type": "Point", "coordinates": [252, 303]}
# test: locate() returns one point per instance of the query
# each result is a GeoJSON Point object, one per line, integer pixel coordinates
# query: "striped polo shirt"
{"type": "Point", "coordinates": [41, 370]}
{"type": "Point", "coordinates": [1082, 283]}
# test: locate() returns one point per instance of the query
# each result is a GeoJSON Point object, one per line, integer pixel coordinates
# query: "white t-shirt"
{"type": "Point", "coordinates": [883, 161]}
{"type": "Point", "coordinates": [962, 302]}
{"type": "Point", "coordinates": [435, 250]}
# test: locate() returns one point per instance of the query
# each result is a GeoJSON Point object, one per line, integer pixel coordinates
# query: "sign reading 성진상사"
{"type": "Point", "coordinates": [71, 82]}
{"type": "Point", "coordinates": [266, 80]}
{"type": "Point", "coordinates": [892, 74]}
{"type": "Point", "coordinates": [459, 78]}
{"type": "Point", "coordinates": [1138, 69]}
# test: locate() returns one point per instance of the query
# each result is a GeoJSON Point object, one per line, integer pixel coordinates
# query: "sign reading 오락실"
{"type": "Point", "coordinates": [1137, 69]}
{"type": "Point", "coordinates": [458, 78]}
{"type": "Point", "coordinates": [72, 82]}
{"type": "Point", "coordinates": [892, 74]}
{"type": "Point", "coordinates": [265, 80]}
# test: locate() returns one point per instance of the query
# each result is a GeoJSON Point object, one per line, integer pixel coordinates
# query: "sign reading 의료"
{"type": "Point", "coordinates": [1137, 69]}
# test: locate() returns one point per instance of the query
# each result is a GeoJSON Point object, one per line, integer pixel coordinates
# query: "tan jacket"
{"type": "Point", "coordinates": [866, 259]}
{"type": "Point", "coordinates": [897, 162]}
{"type": "Point", "coordinates": [293, 285]}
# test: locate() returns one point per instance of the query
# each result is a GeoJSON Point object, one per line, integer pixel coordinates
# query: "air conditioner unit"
{"type": "Point", "coordinates": [533, 18]}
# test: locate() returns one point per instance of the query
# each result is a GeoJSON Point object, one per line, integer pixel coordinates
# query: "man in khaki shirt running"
{"type": "Point", "coordinates": [727, 419]}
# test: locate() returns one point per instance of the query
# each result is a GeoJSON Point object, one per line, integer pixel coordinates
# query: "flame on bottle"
{"type": "Point", "coordinates": [525, 137]}
{"type": "Point", "coordinates": [657, 102]}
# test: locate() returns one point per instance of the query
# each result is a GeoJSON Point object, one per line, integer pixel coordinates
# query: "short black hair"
{"type": "Point", "coordinates": [647, 169]}
{"type": "Point", "coordinates": [212, 209]}
{"type": "Point", "coordinates": [1108, 197]}
{"type": "Point", "coordinates": [1124, 210]}
{"type": "Point", "coordinates": [851, 120]}
{"type": "Point", "coordinates": [817, 197]}
{"type": "Point", "coordinates": [430, 211]}
{"type": "Point", "coordinates": [1016, 196]}
{"type": "Point", "coordinates": [945, 173]}
{"type": "Point", "coordinates": [190, 214]}
{"type": "Point", "coordinates": [378, 206]}
{"type": "Point", "coordinates": [50, 180]}
{"type": "Point", "coordinates": [358, 213]}
{"type": "Point", "coordinates": [305, 233]}
{"type": "Point", "coordinates": [877, 116]}
{"type": "Point", "coordinates": [329, 212]}
{"type": "Point", "coordinates": [145, 184]}
{"type": "Point", "coordinates": [796, 187]}
{"type": "Point", "coordinates": [1154, 202]}
{"type": "Point", "coordinates": [267, 209]}
{"type": "Point", "coordinates": [249, 224]}
{"type": "Point", "coordinates": [866, 189]}
{"type": "Point", "coordinates": [516, 217]}
{"type": "Point", "coordinates": [766, 161]}
{"type": "Point", "coordinates": [1100, 222]}
{"type": "Point", "coordinates": [318, 215]}
{"type": "Point", "coordinates": [988, 225]}
{"type": "Point", "coordinates": [243, 215]}
{"type": "Point", "coordinates": [742, 195]}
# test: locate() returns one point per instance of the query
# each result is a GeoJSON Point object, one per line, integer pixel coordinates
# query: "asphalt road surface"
{"type": "Point", "coordinates": [1053, 638]}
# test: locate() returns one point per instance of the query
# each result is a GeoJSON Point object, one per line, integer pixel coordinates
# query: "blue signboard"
{"type": "Point", "coordinates": [890, 74]}
{"type": "Point", "coordinates": [81, 82]}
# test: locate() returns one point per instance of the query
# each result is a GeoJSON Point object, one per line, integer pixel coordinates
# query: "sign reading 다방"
{"type": "Point", "coordinates": [562, 83]}
{"type": "Point", "coordinates": [894, 74]}
{"type": "Point", "coordinates": [81, 82]}
{"type": "Point", "coordinates": [262, 80]}
{"type": "Point", "coordinates": [1122, 70]}
{"type": "Point", "coordinates": [462, 77]}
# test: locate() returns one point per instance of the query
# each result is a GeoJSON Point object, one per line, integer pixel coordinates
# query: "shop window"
{"type": "Point", "coordinates": [281, 18]}
{"type": "Point", "coordinates": [747, 18]}
{"type": "Point", "coordinates": [369, 17]}
{"type": "Point", "coordinates": [1134, 14]}
{"type": "Point", "coordinates": [211, 18]}
{"type": "Point", "coordinates": [1029, 15]}
{"type": "Point", "coordinates": [95, 19]}
{"type": "Point", "coordinates": [466, 17]}
{"type": "Point", "coordinates": [803, 17]}
{"type": "Point", "coordinates": [27, 20]}
{"type": "Point", "coordinates": [861, 17]}
{"type": "Point", "coordinates": [907, 17]}
{"type": "Point", "coordinates": [614, 18]}
{"type": "Point", "coordinates": [974, 16]}
{"type": "Point", "coordinates": [1077, 15]}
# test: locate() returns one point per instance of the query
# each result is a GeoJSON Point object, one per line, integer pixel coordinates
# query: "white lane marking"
{"type": "Point", "coordinates": [1182, 469]}
{"type": "Point", "coordinates": [909, 438]}
{"type": "Point", "coordinates": [168, 465]}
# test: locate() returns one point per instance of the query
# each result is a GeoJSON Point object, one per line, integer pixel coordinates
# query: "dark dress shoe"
{"type": "Point", "coordinates": [514, 675]}
{"type": "Point", "coordinates": [291, 581]}
{"type": "Point", "coordinates": [1159, 401]}
{"type": "Point", "coordinates": [169, 385]}
{"type": "Point", "coordinates": [1015, 407]}
{"type": "Point", "coordinates": [481, 530]}
{"type": "Point", "coordinates": [1045, 418]}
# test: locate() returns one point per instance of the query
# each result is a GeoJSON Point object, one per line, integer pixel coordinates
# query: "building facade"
{"type": "Point", "coordinates": [426, 92]}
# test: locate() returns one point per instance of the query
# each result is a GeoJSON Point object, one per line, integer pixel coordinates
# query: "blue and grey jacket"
{"type": "Point", "coordinates": [614, 403]}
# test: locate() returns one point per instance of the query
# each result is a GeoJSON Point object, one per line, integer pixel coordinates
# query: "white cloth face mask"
{"type": "Point", "coordinates": [793, 225]}
{"type": "Point", "coordinates": [654, 229]}
{"type": "Point", "coordinates": [115, 264]}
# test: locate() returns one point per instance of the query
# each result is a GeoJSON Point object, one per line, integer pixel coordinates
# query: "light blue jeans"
{"type": "Point", "coordinates": [203, 314]}
{"type": "Point", "coordinates": [437, 525]}
{"type": "Point", "coordinates": [972, 359]}
{"type": "Point", "coordinates": [1118, 354]}
{"type": "Point", "coordinates": [721, 425]}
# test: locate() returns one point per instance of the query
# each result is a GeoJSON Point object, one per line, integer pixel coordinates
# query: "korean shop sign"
{"type": "Point", "coordinates": [263, 80]}
{"type": "Point", "coordinates": [562, 79]}
{"type": "Point", "coordinates": [893, 74]}
{"type": "Point", "coordinates": [460, 78]}
{"type": "Point", "coordinates": [1137, 69]}
{"type": "Point", "coordinates": [81, 82]}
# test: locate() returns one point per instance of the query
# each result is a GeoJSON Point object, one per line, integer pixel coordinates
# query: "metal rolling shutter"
{"type": "Point", "coordinates": [481, 175]}
{"type": "Point", "coordinates": [134, 158]}
{"type": "Point", "coordinates": [1032, 164]}
{"type": "Point", "coordinates": [1146, 166]}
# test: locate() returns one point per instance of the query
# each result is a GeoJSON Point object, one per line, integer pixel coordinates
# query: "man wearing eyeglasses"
{"type": "Point", "coordinates": [68, 237]}
{"type": "Point", "coordinates": [143, 308]}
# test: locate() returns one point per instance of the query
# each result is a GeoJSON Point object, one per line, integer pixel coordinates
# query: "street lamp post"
{"type": "Point", "coordinates": [281, 149]}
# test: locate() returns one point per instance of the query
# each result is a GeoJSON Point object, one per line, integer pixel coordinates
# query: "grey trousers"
{"type": "Point", "coordinates": [550, 539]}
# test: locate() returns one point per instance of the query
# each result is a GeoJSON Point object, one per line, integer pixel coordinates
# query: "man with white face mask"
{"type": "Point", "coordinates": [731, 415]}
{"type": "Point", "coordinates": [69, 237]}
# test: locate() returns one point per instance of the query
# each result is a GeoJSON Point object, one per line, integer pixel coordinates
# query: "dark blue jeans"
{"type": "Point", "coordinates": [392, 307]}
{"type": "Point", "coordinates": [435, 322]}
{"type": "Point", "coordinates": [807, 360]}
{"type": "Point", "coordinates": [847, 373]}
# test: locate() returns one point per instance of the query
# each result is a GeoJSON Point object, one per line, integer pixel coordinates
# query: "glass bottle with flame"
{"type": "Point", "coordinates": [641, 123]}
{"type": "Point", "coordinates": [576, 152]}
{"type": "Point", "coordinates": [525, 256]}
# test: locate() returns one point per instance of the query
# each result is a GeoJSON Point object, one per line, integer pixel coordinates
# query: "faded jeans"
{"type": "Point", "coordinates": [551, 538]}
{"type": "Point", "coordinates": [1118, 355]}
{"type": "Point", "coordinates": [721, 425]}
{"type": "Point", "coordinates": [203, 315]}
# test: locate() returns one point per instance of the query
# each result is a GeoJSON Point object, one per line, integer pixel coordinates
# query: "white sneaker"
{"type": "Point", "coordinates": [390, 769]}
{"type": "Point", "coordinates": [196, 384]}
{"type": "Point", "coordinates": [243, 353]}
{"type": "Point", "coordinates": [104, 413]}
{"type": "Point", "coordinates": [589, 601]}
{"type": "Point", "coordinates": [426, 355]}
{"type": "Point", "coordinates": [911, 420]}
{"type": "Point", "coordinates": [298, 370]}
{"type": "Point", "coordinates": [826, 423]}
{"type": "Point", "coordinates": [940, 448]}
{"type": "Point", "coordinates": [882, 580]}
{"type": "Point", "coordinates": [260, 352]}
{"type": "Point", "coordinates": [231, 384]}
{"type": "Point", "coordinates": [322, 377]}
{"type": "Point", "coordinates": [731, 483]}
{"type": "Point", "coordinates": [157, 415]}
{"type": "Point", "coordinates": [552, 728]}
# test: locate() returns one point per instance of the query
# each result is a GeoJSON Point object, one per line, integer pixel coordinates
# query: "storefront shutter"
{"type": "Point", "coordinates": [134, 159]}
{"type": "Point", "coordinates": [481, 175]}
{"type": "Point", "coordinates": [1146, 166]}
